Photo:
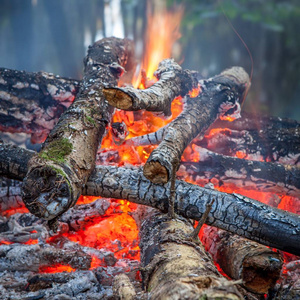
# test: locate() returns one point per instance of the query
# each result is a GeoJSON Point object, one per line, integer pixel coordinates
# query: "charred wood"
{"type": "Point", "coordinates": [174, 267]}
{"type": "Point", "coordinates": [56, 175]}
{"type": "Point", "coordinates": [33, 102]}
{"type": "Point", "coordinates": [219, 95]}
{"type": "Point", "coordinates": [282, 145]}
{"type": "Point", "coordinates": [232, 212]}
{"type": "Point", "coordinates": [238, 214]}
{"type": "Point", "coordinates": [172, 82]}
{"type": "Point", "coordinates": [258, 266]}
{"type": "Point", "coordinates": [18, 257]}
{"type": "Point", "coordinates": [273, 144]}
{"type": "Point", "coordinates": [246, 174]}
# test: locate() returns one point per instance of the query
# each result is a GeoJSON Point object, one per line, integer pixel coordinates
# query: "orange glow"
{"type": "Point", "coordinates": [227, 118]}
{"type": "Point", "coordinates": [195, 92]}
{"type": "Point", "coordinates": [96, 262]}
{"type": "Point", "coordinates": [58, 268]}
{"type": "Point", "coordinates": [9, 212]}
{"type": "Point", "coordinates": [31, 242]}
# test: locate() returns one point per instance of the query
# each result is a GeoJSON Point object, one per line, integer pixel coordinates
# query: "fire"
{"type": "Point", "coordinates": [161, 34]}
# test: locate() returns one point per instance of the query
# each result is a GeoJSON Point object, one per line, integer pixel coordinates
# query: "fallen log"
{"type": "Point", "coordinates": [246, 174]}
{"type": "Point", "coordinates": [232, 212]}
{"type": "Point", "coordinates": [33, 102]}
{"type": "Point", "coordinates": [56, 175]}
{"type": "Point", "coordinates": [220, 95]}
{"type": "Point", "coordinates": [174, 267]}
{"type": "Point", "coordinates": [172, 82]}
{"type": "Point", "coordinates": [258, 266]}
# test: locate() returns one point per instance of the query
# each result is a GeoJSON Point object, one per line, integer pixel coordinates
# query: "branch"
{"type": "Point", "coordinates": [56, 175]}
{"type": "Point", "coordinates": [173, 82]}
{"type": "Point", "coordinates": [219, 95]}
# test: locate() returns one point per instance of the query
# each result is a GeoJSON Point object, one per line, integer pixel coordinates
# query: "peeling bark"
{"type": "Point", "coordinates": [56, 175]}
{"type": "Point", "coordinates": [246, 174]}
{"type": "Point", "coordinates": [220, 95]}
{"type": "Point", "coordinates": [232, 212]}
{"type": "Point", "coordinates": [173, 82]}
{"type": "Point", "coordinates": [258, 266]}
{"type": "Point", "coordinates": [33, 102]}
{"type": "Point", "coordinates": [174, 267]}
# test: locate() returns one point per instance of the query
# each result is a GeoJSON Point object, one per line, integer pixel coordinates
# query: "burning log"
{"type": "Point", "coordinates": [247, 174]}
{"type": "Point", "coordinates": [172, 82]}
{"type": "Point", "coordinates": [277, 141]}
{"type": "Point", "coordinates": [174, 267]}
{"type": "Point", "coordinates": [258, 266]}
{"type": "Point", "coordinates": [57, 174]}
{"type": "Point", "coordinates": [18, 257]}
{"type": "Point", "coordinates": [33, 102]}
{"type": "Point", "coordinates": [281, 145]}
{"type": "Point", "coordinates": [238, 214]}
{"type": "Point", "coordinates": [219, 95]}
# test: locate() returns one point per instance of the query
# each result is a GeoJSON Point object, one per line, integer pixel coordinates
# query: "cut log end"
{"type": "Point", "coordinates": [155, 172]}
{"type": "Point", "coordinates": [117, 98]}
{"type": "Point", "coordinates": [261, 272]}
{"type": "Point", "coordinates": [36, 194]}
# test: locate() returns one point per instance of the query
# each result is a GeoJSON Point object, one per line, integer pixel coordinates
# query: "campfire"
{"type": "Point", "coordinates": [176, 144]}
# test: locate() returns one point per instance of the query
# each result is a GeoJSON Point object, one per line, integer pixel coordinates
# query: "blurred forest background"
{"type": "Point", "coordinates": [53, 36]}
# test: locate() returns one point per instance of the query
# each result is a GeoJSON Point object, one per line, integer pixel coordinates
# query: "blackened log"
{"type": "Point", "coordinates": [173, 82]}
{"type": "Point", "coordinates": [267, 144]}
{"type": "Point", "coordinates": [33, 102]}
{"type": "Point", "coordinates": [14, 161]}
{"type": "Point", "coordinates": [57, 174]}
{"type": "Point", "coordinates": [174, 267]}
{"type": "Point", "coordinates": [258, 266]}
{"type": "Point", "coordinates": [220, 95]}
{"type": "Point", "coordinates": [232, 212]}
{"type": "Point", "coordinates": [246, 174]}
{"type": "Point", "coordinates": [19, 257]}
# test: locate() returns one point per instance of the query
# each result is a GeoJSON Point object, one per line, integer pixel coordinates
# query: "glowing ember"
{"type": "Point", "coordinates": [56, 269]}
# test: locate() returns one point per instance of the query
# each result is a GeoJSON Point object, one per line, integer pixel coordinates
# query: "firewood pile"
{"type": "Point", "coordinates": [256, 244]}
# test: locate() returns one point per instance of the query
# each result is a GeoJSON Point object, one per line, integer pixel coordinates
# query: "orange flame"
{"type": "Point", "coordinates": [161, 34]}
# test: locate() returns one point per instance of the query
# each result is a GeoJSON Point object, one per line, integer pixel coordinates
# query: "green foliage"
{"type": "Point", "coordinates": [57, 150]}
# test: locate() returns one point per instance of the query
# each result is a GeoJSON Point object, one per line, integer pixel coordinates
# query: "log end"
{"type": "Point", "coordinates": [155, 172]}
{"type": "Point", "coordinates": [46, 192]}
{"type": "Point", "coordinates": [261, 272]}
{"type": "Point", "coordinates": [117, 98]}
